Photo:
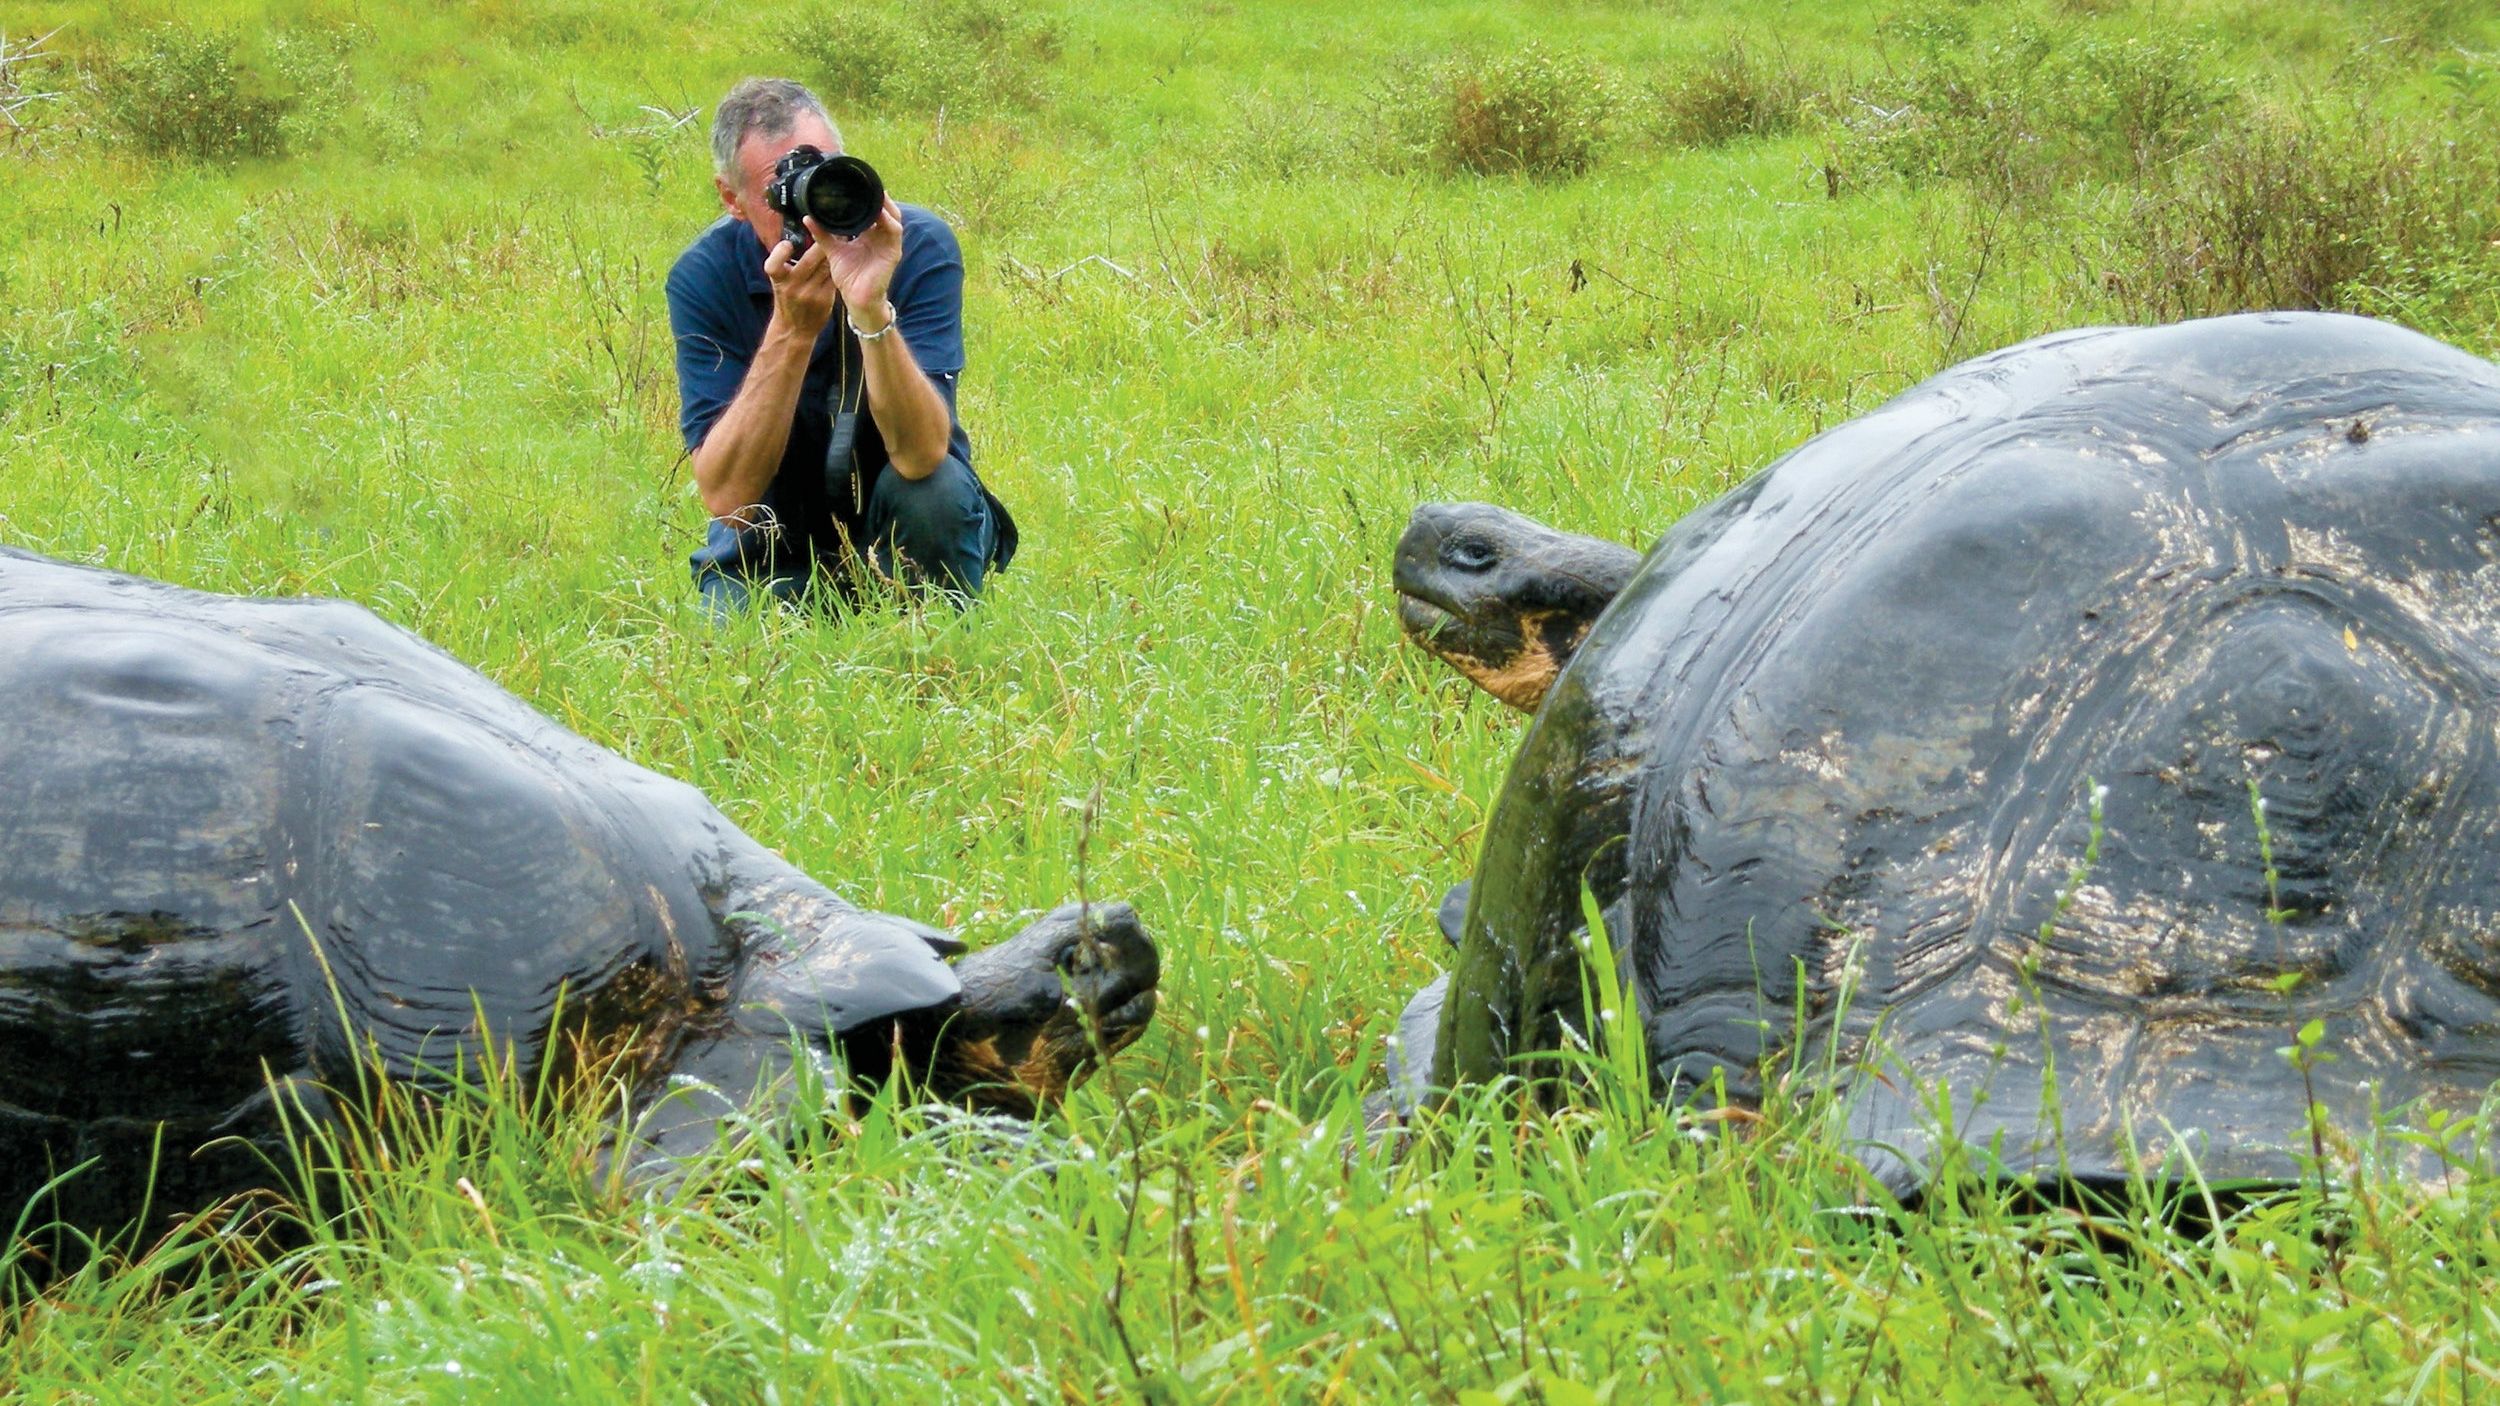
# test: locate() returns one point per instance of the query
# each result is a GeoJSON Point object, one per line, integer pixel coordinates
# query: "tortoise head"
{"type": "Point", "coordinates": [1008, 1029]}
{"type": "Point", "coordinates": [1501, 598]}
{"type": "Point", "coordinates": [1041, 1009]}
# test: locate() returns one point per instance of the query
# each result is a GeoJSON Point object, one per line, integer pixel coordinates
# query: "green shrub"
{"type": "Point", "coordinates": [1955, 109]}
{"type": "Point", "coordinates": [186, 93]}
{"type": "Point", "coordinates": [2338, 209]}
{"type": "Point", "coordinates": [1289, 137]}
{"type": "Point", "coordinates": [2138, 102]}
{"type": "Point", "coordinates": [1529, 112]}
{"type": "Point", "coordinates": [960, 55]}
{"type": "Point", "coordinates": [203, 95]}
{"type": "Point", "coordinates": [2466, 82]}
{"type": "Point", "coordinates": [1727, 95]}
{"type": "Point", "coordinates": [2033, 109]}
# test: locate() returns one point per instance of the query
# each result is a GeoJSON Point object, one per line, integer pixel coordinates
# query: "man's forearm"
{"type": "Point", "coordinates": [738, 458]}
{"type": "Point", "coordinates": [911, 416]}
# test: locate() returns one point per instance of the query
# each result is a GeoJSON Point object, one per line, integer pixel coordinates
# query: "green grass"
{"type": "Point", "coordinates": [1223, 337]}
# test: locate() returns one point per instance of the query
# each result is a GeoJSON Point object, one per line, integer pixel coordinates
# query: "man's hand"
{"type": "Point", "coordinates": [802, 289]}
{"type": "Point", "coordinates": [910, 414]}
{"type": "Point", "coordinates": [864, 265]}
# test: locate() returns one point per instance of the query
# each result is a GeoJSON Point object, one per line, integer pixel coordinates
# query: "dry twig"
{"type": "Point", "coordinates": [18, 57]}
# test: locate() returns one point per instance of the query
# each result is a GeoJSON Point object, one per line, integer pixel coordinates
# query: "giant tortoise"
{"type": "Point", "coordinates": [2108, 708]}
{"type": "Point", "coordinates": [253, 852]}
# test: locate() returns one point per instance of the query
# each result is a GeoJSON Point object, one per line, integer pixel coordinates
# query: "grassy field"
{"type": "Point", "coordinates": [364, 300]}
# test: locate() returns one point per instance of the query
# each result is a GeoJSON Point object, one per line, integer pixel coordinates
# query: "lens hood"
{"type": "Point", "coordinates": [843, 194]}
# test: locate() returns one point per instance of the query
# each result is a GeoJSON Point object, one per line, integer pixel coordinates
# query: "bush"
{"type": "Point", "coordinates": [2032, 109]}
{"type": "Point", "coordinates": [1956, 109]}
{"type": "Point", "coordinates": [961, 55]}
{"type": "Point", "coordinates": [1289, 137]}
{"type": "Point", "coordinates": [187, 93]}
{"type": "Point", "coordinates": [2139, 102]}
{"type": "Point", "coordinates": [1529, 112]}
{"type": "Point", "coordinates": [199, 94]}
{"type": "Point", "coordinates": [2466, 82]}
{"type": "Point", "coordinates": [2314, 209]}
{"type": "Point", "coordinates": [1728, 95]}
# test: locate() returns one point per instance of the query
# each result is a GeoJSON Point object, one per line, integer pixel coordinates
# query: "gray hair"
{"type": "Point", "coordinates": [771, 106]}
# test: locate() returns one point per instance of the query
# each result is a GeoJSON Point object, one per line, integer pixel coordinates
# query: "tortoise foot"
{"type": "Point", "coordinates": [1039, 1010]}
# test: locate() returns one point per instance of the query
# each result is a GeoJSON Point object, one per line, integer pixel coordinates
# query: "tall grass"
{"type": "Point", "coordinates": [419, 360]}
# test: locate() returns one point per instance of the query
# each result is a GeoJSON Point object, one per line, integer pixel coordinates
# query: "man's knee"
{"type": "Point", "coordinates": [947, 502]}
{"type": "Point", "coordinates": [940, 525]}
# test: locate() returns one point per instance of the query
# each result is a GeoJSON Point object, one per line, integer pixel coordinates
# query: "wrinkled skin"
{"type": "Point", "coordinates": [1502, 598]}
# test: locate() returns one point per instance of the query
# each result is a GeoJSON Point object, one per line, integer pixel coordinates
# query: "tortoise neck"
{"type": "Point", "coordinates": [768, 904]}
{"type": "Point", "coordinates": [779, 919]}
{"type": "Point", "coordinates": [782, 913]}
{"type": "Point", "coordinates": [819, 962]}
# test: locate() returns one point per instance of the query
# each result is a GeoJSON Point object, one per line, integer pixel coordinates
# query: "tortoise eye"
{"type": "Point", "coordinates": [1469, 553]}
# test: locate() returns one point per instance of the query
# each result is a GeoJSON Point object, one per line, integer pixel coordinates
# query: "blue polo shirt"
{"type": "Point", "coordinates": [719, 303]}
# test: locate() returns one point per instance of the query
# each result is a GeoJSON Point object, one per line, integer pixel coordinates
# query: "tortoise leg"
{"type": "Point", "coordinates": [1410, 1057]}
{"type": "Point", "coordinates": [1039, 1009]}
{"type": "Point", "coordinates": [1411, 1049]}
{"type": "Point", "coordinates": [1452, 914]}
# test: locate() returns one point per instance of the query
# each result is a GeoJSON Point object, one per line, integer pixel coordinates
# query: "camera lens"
{"type": "Point", "coordinates": [842, 194]}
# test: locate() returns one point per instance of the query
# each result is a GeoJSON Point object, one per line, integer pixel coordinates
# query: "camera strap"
{"type": "Point", "coordinates": [844, 402]}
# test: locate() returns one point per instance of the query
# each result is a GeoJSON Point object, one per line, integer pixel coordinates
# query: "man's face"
{"type": "Point", "coordinates": [756, 158]}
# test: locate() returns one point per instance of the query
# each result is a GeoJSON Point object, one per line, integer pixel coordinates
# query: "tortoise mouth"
{"type": "Point", "coordinates": [1128, 1020]}
{"type": "Point", "coordinates": [1422, 619]}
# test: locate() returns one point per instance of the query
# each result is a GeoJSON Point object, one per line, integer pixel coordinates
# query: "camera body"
{"type": "Point", "coordinates": [843, 193]}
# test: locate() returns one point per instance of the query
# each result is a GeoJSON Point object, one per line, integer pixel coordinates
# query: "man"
{"type": "Point", "coordinates": [817, 390]}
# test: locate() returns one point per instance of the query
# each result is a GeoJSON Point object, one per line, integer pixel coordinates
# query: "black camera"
{"type": "Point", "coordinates": [841, 192]}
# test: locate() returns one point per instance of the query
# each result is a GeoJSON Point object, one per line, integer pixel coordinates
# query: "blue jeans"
{"type": "Point", "coordinates": [932, 532]}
